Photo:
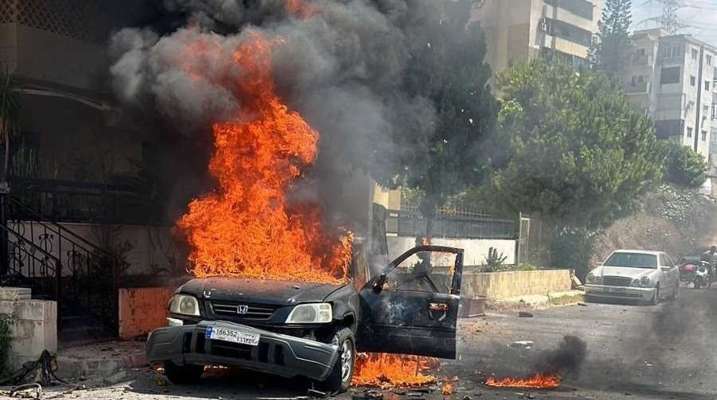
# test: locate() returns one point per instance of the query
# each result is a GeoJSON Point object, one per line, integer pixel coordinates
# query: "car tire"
{"type": "Point", "coordinates": [342, 373]}
{"type": "Point", "coordinates": [183, 374]}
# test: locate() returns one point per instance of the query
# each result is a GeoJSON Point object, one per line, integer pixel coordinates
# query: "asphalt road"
{"type": "Point", "coordinates": [667, 351]}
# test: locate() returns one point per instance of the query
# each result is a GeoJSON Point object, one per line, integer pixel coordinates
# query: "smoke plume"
{"type": "Point", "coordinates": [339, 63]}
{"type": "Point", "coordinates": [566, 358]}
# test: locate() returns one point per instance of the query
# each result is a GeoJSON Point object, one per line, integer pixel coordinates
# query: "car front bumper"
{"type": "Point", "coordinates": [619, 292]}
{"type": "Point", "coordinates": [277, 354]}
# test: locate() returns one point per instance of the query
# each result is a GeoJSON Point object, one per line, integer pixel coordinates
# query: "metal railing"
{"type": "Point", "coordinates": [453, 224]}
{"type": "Point", "coordinates": [86, 275]}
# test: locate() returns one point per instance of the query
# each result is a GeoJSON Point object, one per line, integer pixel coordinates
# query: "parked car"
{"type": "Point", "coordinates": [311, 329]}
{"type": "Point", "coordinates": [648, 276]}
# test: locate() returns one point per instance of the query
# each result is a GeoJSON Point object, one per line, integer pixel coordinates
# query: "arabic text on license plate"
{"type": "Point", "coordinates": [233, 335]}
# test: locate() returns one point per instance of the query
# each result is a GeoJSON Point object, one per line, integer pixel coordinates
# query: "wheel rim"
{"type": "Point", "coordinates": [346, 360]}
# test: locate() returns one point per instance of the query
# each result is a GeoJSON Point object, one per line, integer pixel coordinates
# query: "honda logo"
{"type": "Point", "coordinates": [242, 309]}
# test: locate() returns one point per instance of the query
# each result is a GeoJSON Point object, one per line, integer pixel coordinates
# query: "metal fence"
{"type": "Point", "coordinates": [451, 224]}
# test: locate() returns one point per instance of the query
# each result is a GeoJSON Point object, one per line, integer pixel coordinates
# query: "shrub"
{"type": "Point", "coordinates": [683, 166]}
{"type": "Point", "coordinates": [494, 261]}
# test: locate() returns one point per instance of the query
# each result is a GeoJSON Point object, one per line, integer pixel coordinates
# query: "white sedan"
{"type": "Point", "coordinates": [648, 276]}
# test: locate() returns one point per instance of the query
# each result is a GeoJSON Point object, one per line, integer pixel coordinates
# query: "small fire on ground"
{"type": "Point", "coordinates": [387, 371]}
{"type": "Point", "coordinates": [537, 381]}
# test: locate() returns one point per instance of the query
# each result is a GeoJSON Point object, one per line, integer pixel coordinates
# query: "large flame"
{"type": "Point", "coordinates": [246, 227]}
{"type": "Point", "coordinates": [393, 370]}
{"type": "Point", "coordinates": [537, 381]}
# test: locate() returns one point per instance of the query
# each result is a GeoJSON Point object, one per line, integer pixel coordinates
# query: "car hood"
{"type": "Point", "coordinates": [623, 271]}
{"type": "Point", "coordinates": [258, 291]}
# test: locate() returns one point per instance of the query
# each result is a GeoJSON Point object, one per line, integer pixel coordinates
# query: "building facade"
{"type": "Point", "coordinates": [672, 78]}
{"type": "Point", "coordinates": [519, 30]}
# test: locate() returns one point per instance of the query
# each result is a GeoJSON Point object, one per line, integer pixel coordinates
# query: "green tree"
{"type": "Point", "coordinates": [449, 70]}
{"type": "Point", "coordinates": [611, 50]}
{"type": "Point", "coordinates": [683, 166]}
{"type": "Point", "coordinates": [577, 153]}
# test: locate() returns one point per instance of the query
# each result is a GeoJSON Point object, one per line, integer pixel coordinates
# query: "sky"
{"type": "Point", "coordinates": [699, 16]}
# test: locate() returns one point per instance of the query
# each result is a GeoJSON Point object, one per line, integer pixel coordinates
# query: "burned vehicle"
{"type": "Point", "coordinates": [313, 330]}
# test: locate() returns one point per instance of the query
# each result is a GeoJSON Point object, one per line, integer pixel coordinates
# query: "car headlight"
{"type": "Point", "coordinates": [594, 279]}
{"type": "Point", "coordinates": [642, 282]}
{"type": "Point", "coordinates": [316, 313]}
{"type": "Point", "coordinates": [184, 304]}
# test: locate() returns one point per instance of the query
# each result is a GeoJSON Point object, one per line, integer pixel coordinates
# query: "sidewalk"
{"type": "Point", "coordinates": [106, 363]}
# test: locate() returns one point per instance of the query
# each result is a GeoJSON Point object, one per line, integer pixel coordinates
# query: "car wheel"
{"type": "Point", "coordinates": [698, 283]}
{"type": "Point", "coordinates": [340, 377]}
{"type": "Point", "coordinates": [656, 296]}
{"type": "Point", "coordinates": [183, 374]}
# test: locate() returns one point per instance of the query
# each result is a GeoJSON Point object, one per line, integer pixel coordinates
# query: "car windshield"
{"type": "Point", "coordinates": [632, 260]}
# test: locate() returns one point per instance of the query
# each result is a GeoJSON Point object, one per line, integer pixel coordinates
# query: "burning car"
{"type": "Point", "coordinates": [313, 330]}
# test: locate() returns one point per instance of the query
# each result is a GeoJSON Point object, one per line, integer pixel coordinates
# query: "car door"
{"type": "Point", "coordinates": [411, 307]}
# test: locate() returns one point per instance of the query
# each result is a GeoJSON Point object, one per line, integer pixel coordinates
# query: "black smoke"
{"type": "Point", "coordinates": [343, 69]}
{"type": "Point", "coordinates": [565, 359]}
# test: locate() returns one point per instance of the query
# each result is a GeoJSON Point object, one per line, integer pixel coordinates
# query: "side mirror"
{"type": "Point", "coordinates": [379, 282]}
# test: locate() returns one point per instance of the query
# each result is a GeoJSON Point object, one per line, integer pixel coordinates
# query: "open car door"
{"type": "Point", "coordinates": [412, 306]}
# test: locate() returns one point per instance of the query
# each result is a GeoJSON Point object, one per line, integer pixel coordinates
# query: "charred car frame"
{"type": "Point", "coordinates": [312, 329]}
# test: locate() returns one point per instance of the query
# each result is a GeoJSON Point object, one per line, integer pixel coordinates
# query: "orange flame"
{"type": "Point", "coordinates": [448, 389]}
{"type": "Point", "coordinates": [537, 381]}
{"type": "Point", "coordinates": [301, 9]}
{"type": "Point", "coordinates": [246, 227]}
{"type": "Point", "coordinates": [393, 370]}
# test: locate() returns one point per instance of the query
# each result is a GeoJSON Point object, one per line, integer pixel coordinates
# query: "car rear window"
{"type": "Point", "coordinates": [634, 260]}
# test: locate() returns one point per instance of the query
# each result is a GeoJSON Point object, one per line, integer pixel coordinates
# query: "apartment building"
{"type": "Point", "coordinates": [518, 30]}
{"type": "Point", "coordinates": [672, 78]}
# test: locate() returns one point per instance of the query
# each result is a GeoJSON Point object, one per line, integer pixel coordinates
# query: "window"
{"type": "Point", "coordinates": [689, 132]}
{"type": "Point", "coordinates": [581, 8]}
{"type": "Point", "coordinates": [569, 32]}
{"type": "Point", "coordinates": [693, 80]}
{"type": "Point", "coordinates": [704, 136]}
{"type": "Point", "coordinates": [695, 53]}
{"type": "Point", "coordinates": [670, 75]}
{"type": "Point", "coordinates": [709, 59]}
{"type": "Point", "coordinates": [707, 85]}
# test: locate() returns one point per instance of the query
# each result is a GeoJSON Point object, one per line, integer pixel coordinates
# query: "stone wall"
{"type": "Point", "coordinates": [475, 250]}
{"type": "Point", "coordinates": [33, 325]}
{"type": "Point", "coordinates": [503, 285]}
{"type": "Point", "coordinates": [142, 309]}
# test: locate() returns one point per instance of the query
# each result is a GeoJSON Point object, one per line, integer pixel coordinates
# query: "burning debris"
{"type": "Point", "coordinates": [537, 381]}
{"type": "Point", "coordinates": [394, 370]}
{"type": "Point", "coordinates": [553, 364]}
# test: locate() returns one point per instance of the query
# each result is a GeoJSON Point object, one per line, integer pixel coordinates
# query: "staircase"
{"type": "Point", "coordinates": [60, 265]}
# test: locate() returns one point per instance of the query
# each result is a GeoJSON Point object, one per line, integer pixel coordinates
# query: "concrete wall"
{"type": "Point", "coordinates": [33, 325]}
{"type": "Point", "coordinates": [475, 253]}
{"type": "Point", "coordinates": [142, 309]}
{"type": "Point", "coordinates": [503, 285]}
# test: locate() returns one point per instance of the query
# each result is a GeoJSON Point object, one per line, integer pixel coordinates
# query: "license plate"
{"type": "Point", "coordinates": [232, 335]}
{"type": "Point", "coordinates": [616, 290]}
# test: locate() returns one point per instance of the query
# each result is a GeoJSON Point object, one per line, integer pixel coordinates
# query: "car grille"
{"type": "Point", "coordinates": [243, 310]}
{"type": "Point", "coordinates": [616, 281]}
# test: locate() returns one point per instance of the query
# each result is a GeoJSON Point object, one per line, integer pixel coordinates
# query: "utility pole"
{"type": "Point", "coordinates": [669, 21]}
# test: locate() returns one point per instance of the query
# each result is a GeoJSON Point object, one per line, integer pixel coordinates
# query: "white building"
{"type": "Point", "coordinates": [518, 30]}
{"type": "Point", "coordinates": [672, 78]}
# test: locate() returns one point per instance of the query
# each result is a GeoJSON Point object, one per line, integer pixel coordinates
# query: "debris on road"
{"type": "Point", "coordinates": [525, 314]}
